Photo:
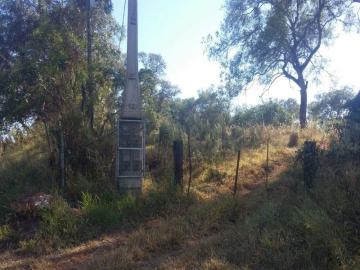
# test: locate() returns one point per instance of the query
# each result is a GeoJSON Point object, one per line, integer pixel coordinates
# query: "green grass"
{"type": "Point", "coordinates": [62, 226]}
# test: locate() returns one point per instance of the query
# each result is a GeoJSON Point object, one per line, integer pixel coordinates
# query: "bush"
{"type": "Point", "coordinates": [60, 225]}
{"type": "Point", "coordinates": [251, 137]}
{"type": "Point", "coordinates": [293, 140]}
{"type": "Point", "coordinates": [273, 112]}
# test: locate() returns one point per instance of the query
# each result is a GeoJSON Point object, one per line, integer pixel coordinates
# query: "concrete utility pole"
{"type": "Point", "coordinates": [132, 97]}
{"type": "Point", "coordinates": [131, 129]}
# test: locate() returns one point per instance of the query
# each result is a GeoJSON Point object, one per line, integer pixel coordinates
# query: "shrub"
{"type": "Point", "coordinates": [272, 112]}
{"type": "Point", "coordinates": [60, 225]}
{"type": "Point", "coordinates": [293, 140]}
{"type": "Point", "coordinates": [251, 137]}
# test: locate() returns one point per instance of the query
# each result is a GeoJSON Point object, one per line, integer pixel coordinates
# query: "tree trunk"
{"type": "Point", "coordinates": [51, 158]}
{"type": "Point", "coordinates": [303, 105]}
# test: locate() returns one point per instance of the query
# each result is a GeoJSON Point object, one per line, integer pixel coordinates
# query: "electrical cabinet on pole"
{"type": "Point", "coordinates": [130, 163]}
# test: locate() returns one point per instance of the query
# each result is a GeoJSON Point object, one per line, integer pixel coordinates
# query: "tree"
{"type": "Point", "coordinates": [183, 114]}
{"type": "Point", "coordinates": [291, 107]}
{"type": "Point", "coordinates": [331, 106]}
{"type": "Point", "coordinates": [354, 109]}
{"type": "Point", "coordinates": [43, 74]}
{"type": "Point", "coordinates": [42, 67]}
{"type": "Point", "coordinates": [265, 39]}
{"type": "Point", "coordinates": [157, 92]}
{"type": "Point", "coordinates": [213, 117]}
{"type": "Point", "coordinates": [205, 121]}
{"type": "Point", "coordinates": [272, 112]}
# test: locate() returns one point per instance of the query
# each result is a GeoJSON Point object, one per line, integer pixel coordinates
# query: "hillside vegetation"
{"type": "Point", "coordinates": [279, 227]}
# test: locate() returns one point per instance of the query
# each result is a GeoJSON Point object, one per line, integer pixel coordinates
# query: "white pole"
{"type": "Point", "coordinates": [132, 97]}
{"type": "Point", "coordinates": [131, 131]}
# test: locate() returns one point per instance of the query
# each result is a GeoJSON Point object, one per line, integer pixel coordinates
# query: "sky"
{"type": "Point", "coordinates": [175, 29]}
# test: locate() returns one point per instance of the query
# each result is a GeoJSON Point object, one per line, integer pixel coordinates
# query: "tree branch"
{"type": "Point", "coordinates": [320, 34]}
{"type": "Point", "coordinates": [288, 75]}
{"type": "Point", "coordinates": [275, 78]}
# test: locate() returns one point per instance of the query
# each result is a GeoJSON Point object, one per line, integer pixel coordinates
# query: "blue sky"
{"type": "Point", "coordinates": [175, 29]}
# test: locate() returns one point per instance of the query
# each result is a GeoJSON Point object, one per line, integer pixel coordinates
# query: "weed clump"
{"type": "Point", "coordinates": [214, 175]}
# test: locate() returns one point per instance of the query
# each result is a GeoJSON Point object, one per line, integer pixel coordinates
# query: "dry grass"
{"type": "Point", "coordinates": [205, 236]}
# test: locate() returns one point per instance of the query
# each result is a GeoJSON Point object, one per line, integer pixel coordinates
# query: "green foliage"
{"type": "Point", "coordinates": [351, 130]}
{"type": "Point", "coordinates": [354, 107]}
{"type": "Point", "coordinates": [60, 225]}
{"type": "Point", "coordinates": [251, 137]}
{"type": "Point", "coordinates": [44, 76]}
{"type": "Point", "coordinates": [331, 106]}
{"type": "Point", "coordinates": [106, 213]}
{"type": "Point", "coordinates": [206, 121]}
{"type": "Point", "coordinates": [166, 137]}
{"type": "Point", "coordinates": [346, 145]}
{"type": "Point", "coordinates": [100, 214]}
{"type": "Point", "coordinates": [273, 112]}
{"type": "Point", "coordinates": [314, 231]}
{"type": "Point", "coordinates": [158, 93]}
{"type": "Point", "coordinates": [23, 170]}
{"type": "Point", "coordinates": [5, 232]}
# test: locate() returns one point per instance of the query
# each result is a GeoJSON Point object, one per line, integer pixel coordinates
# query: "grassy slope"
{"type": "Point", "coordinates": [279, 229]}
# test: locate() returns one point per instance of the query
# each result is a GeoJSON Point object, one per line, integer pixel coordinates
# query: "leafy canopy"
{"type": "Point", "coordinates": [265, 39]}
{"type": "Point", "coordinates": [332, 105]}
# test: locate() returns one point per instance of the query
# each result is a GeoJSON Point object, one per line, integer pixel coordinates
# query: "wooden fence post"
{"type": "Point", "coordinates": [237, 172]}
{"type": "Point", "coordinates": [310, 163]}
{"type": "Point", "coordinates": [267, 164]}
{"type": "Point", "coordinates": [190, 163]}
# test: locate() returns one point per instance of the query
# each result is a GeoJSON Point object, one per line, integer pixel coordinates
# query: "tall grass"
{"type": "Point", "coordinates": [289, 229]}
{"type": "Point", "coordinates": [62, 226]}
